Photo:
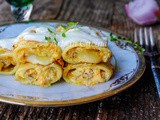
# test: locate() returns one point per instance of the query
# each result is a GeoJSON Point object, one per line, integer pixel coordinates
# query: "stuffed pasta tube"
{"type": "Point", "coordinates": [80, 52]}
{"type": "Point", "coordinates": [8, 65]}
{"type": "Point", "coordinates": [38, 74]}
{"type": "Point", "coordinates": [36, 52]}
{"type": "Point", "coordinates": [87, 74]}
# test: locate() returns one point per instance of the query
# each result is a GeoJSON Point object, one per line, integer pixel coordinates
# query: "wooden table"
{"type": "Point", "coordinates": [138, 102]}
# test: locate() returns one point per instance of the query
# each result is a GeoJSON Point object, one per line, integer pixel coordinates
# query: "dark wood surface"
{"type": "Point", "coordinates": [139, 102]}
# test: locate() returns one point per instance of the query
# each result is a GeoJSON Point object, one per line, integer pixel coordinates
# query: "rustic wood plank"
{"type": "Point", "coordinates": [21, 113]}
{"type": "Point", "coordinates": [44, 113]}
{"type": "Point", "coordinates": [3, 109]}
{"type": "Point", "coordinates": [5, 12]}
{"type": "Point", "coordinates": [68, 113]}
{"type": "Point", "coordinates": [46, 9]}
{"type": "Point", "coordinates": [52, 114]}
{"type": "Point", "coordinates": [42, 10]}
{"type": "Point", "coordinates": [11, 112]}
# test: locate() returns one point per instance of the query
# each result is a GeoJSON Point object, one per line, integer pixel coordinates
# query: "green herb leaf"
{"type": "Point", "coordinates": [63, 35]}
{"type": "Point", "coordinates": [55, 39]}
{"type": "Point", "coordinates": [142, 49]}
{"type": "Point", "coordinates": [129, 40]}
{"type": "Point", "coordinates": [47, 38]}
{"type": "Point", "coordinates": [72, 24]}
{"type": "Point", "coordinates": [50, 30]}
{"type": "Point", "coordinates": [63, 26]}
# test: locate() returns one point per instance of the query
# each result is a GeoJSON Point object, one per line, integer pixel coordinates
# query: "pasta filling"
{"type": "Point", "coordinates": [31, 74]}
{"type": "Point", "coordinates": [39, 60]}
{"type": "Point", "coordinates": [36, 53]}
{"type": "Point", "coordinates": [83, 53]}
{"type": "Point", "coordinates": [7, 64]}
{"type": "Point", "coordinates": [87, 74]}
{"type": "Point", "coordinates": [38, 74]}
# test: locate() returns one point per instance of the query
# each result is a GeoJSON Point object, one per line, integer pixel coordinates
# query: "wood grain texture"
{"type": "Point", "coordinates": [42, 10]}
{"type": "Point", "coordinates": [139, 102]}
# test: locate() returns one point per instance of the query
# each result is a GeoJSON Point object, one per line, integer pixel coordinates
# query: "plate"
{"type": "Point", "coordinates": [130, 66]}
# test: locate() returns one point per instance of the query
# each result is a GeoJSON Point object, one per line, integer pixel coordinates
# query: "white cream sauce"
{"type": "Point", "coordinates": [80, 34]}
{"type": "Point", "coordinates": [36, 33]}
{"type": "Point", "coordinates": [7, 43]}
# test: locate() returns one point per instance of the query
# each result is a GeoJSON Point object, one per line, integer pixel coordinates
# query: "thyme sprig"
{"type": "Point", "coordinates": [70, 25]}
{"type": "Point", "coordinates": [127, 40]}
{"type": "Point", "coordinates": [49, 38]}
{"type": "Point", "coordinates": [50, 30]}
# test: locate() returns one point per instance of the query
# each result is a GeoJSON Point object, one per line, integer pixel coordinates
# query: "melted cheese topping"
{"type": "Point", "coordinates": [80, 34]}
{"type": "Point", "coordinates": [39, 60]}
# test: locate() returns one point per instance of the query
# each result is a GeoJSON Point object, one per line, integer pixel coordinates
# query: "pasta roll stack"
{"type": "Point", "coordinates": [38, 74]}
{"type": "Point", "coordinates": [38, 56]}
{"type": "Point", "coordinates": [40, 60]}
{"type": "Point", "coordinates": [87, 64]}
{"type": "Point", "coordinates": [41, 63]}
{"type": "Point", "coordinates": [87, 56]}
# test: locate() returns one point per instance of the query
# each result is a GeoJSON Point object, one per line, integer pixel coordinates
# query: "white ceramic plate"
{"type": "Point", "coordinates": [130, 66]}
